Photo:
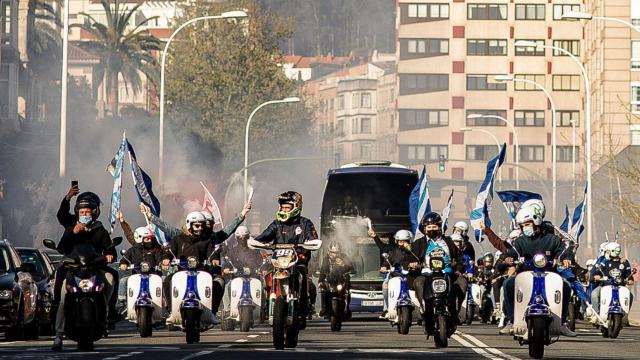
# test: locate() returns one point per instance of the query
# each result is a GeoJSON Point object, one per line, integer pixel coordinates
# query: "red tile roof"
{"type": "Point", "coordinates": [76, 53]}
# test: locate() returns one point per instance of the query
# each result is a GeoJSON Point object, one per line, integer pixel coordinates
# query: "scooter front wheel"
{"type": "Point", "coordinates": [440, 337]}
{"type": "Point", "coordinates": [537, 330]}
{"type": "Point", "coordinates": [145, 321]}
{"type": "Point", "coordinates": [615, 325]}
{"type": "Point", "coordinates": [246, 318]}
{"type": "Point", "coordinates": [405, 314]}
{"type": "Point", "coordinates": [192, 331]}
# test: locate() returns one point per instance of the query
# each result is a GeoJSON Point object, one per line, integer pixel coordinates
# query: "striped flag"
{"type": "Point", "coordinates": [480, 213]}
{"type": "Point", "coordinates": [116, 172]}
{"type": "Point", "coordinates": [513, 200]}
{"type": "Point", "coordinates": [209, 204]}
{"type": "Point", "coordinates": [577, 222]}
{"type": "Point", "coordinates": [566, 223]}
{"type": "Point", "coordinates": [446, 211]}
{"type": "Point", "coordinates": [419, 203]}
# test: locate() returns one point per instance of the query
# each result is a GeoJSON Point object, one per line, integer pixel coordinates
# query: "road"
{"type": "Point", "coordinates": [361, 338]}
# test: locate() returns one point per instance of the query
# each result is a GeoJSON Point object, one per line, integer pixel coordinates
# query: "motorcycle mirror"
{"type": "Point", "coordinates": [49, 244]}
{"type": "Point", "coordinates": [116, 241]}
{"type": "Point", "coordinates": [385, 255]}
{"type": "Point", "coordinates": [123, 251]}
{"type": "Point", "coordinates": [226, 258]}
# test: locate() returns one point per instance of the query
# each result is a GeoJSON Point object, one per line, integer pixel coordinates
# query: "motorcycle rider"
{"type": "Point", "coordinates": [146, 249]}
{"type": "Point", "coordinates": [462, 282]}
{"type": "Point", "coordinates": [241, 257]}
{"type": "Point", "coordinates": [334, 267]}
{"type": "Point", "coordinates": [86, 230]}
{"type": "Point", "coordinates": [532, 242]}
{"type": "Point", "coordinates": [289, 227]}
{"type": "Point", "coordinates": [461, 228]}
{"type": "Point", "coordinates": [431, 227]}
{"type": "Point", "coordinates": [615, 261]}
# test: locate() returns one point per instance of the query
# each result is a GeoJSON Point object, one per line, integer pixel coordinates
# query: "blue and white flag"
{"type": "Point", "coordinates": [144, 189]}
{"type": "Point", "coordinates": [117, 182]}
{"type": "Point", "coordinates": [567, 220]}
{"type": "Point", "coordinates": [480, 214]}
{"type": "Point", "coordinates": [446, 211]}
{"type": "Point", "coordinates": [419, 203]}
{"type": "Point", "coordinates": [577, 222]}
{"type": "Point", "coordinates": [513, 200]}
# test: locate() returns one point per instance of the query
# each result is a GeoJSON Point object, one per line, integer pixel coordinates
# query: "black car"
{"type": "Point", "coordinates": [43, 276]}
{"type": "Point", "coordinates": [18, 296]}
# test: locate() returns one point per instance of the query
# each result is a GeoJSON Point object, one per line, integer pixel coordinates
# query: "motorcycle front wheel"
{"type": "Point", "coordinates": [440, 337]}
{"type": "Point", "coordinates": [615, 325]}
{"type": "Point", "coordinates": [192, 331]}
{"type": "Point", "coordinates": [336, 315]}
{"type": "Point", "coordinates": [246, 318]}
{"type": "Point", "coordinates": [279, 322]}
{"type": "Point", "coordinates": [405, 315]}
{"type": "Point", "coordinates": [571, 317]}
{"type": "Point", "coordinates": [145, 321]}
{"type": "Point", "coordinates": [537, 330]}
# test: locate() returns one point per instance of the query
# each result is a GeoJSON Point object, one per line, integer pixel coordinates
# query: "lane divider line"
{"type": "Point", "coordinates": [474, 348]}
{"type": "Point", "coordinates": [241, 340]}
{"type": "Point", "coordinates": [486, 347]}
{"type": "Point", "coordinates": [252, 336]}
{"type": "Point", "coordinates": [224, 346]}
{"type": "Point", "coordinates": [195, 355]}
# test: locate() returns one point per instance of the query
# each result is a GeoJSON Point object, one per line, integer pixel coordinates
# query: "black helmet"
{"type": "Point", "coordinates": [88, 200]}
{"type": "Point", "coordinates": [432, 218]}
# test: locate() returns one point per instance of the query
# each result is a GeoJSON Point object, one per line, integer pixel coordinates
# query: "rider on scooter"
{"type": "Point", "coordinates": [335, 265]}
{"type": "Point", "coordinates": [461, 228]}
{"type": "Point", "coordinates": [615, 261]}
{"type": "Point", "coordinates": [532, 242]}
{"type": "Point", "coordinates": [290, 227]}
{"type": "Point", "coordinates": [86, 230]}
{"type": "Point", "coordinates": [462, 282]}
{"type": "Point", "coordinates": [146, 249]}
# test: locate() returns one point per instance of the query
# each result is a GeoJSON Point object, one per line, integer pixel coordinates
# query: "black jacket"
{"type": "Point", "coordinates": [184, 246]}
{"type": "Point", "coordinates": [98, 236]}
{"type": "Point", "coordinates": [419, 247]}
{"type": "Point", "coordinates": [294, 231]}
{"type": "Point", "coordinates": [64, 215]}
{"type": "Point", "coordinates": [137, 254]}
{"type": "Point", "coordinates": [545, 242]}
{"type": "Point", "coordinates": [330, 269]}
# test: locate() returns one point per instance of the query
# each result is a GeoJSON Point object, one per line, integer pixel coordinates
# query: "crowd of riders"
{"type": "Point", "coordinates": [223, 250]}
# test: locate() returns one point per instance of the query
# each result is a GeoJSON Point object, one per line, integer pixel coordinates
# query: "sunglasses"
{"type": "Point", "coordinates": [196, 226]}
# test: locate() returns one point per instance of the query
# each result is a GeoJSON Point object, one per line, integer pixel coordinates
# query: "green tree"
{"type": "Point", "coordinates": [220, 70]}
{"type": "Point", "coordinates": [124, 49]}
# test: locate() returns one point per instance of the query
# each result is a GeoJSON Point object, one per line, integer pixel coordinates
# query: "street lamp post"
{"type": "Point", "coordinates": [467, 129]}
{"type": "Point", "coordinates": [246, 133]}
{"type": "Point", "coordinates": [63, 90]}
{"type": "Point", "coordinates": [554, 142]}
{"type": "Point", "coordinates": [515, 138]}
{"type": "Point", "coordinates": [579, 15]}
{"type": "Point", "coordinates": [226, 15]}
{"type": "Point", "coordinates": [587, 128]}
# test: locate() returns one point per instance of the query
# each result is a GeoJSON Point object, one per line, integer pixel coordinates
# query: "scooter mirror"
{"type": "Point", "coordinates": [123, 251]}
{"type": "Point", "coordinates": [116, 241]}
{"type": "Point", "coordinates": [49, 244]}
{"type": "Point", "coordinates": [385, 255]}
{"type": "Point", "coordinates": [226, 258]}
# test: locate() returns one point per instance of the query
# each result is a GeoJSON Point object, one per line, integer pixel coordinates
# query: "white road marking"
{"type": "Point", "coordinates": [252, 336]}
{"type": "Point", "coordinates": [490, 349]}
{"type": "Point", "coordinates": [474, 348]}
{"type": "Point", "coordinates": [241, 340]}
{"type": "Point", "coordinates": [201, 353]}
{"type": "Point", "coordinates": [223, 346]}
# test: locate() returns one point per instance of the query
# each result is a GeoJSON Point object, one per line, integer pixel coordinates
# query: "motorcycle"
{"type": "Point", "coordinates": [444, 325]}
{"type": "Point", "coordinates": [402, 301]}
{"type": "Point", "coordinates": [284, 282]}
{"type": "Point", "coordinates": [85, 305]}
{"type": "Point", "coordinates": [246, 297]}
{"type": "Point", "coordinates": [144, 298]}
{"type": "Point", "coordinates": [538, 306]}
{"type": "Point", "coordinates": [192, 300]}
{"type": "Point", "coordinates": [474, 294]}
{"type": "Point", "coordinates": [615, 301]}
{"type": "Point", "coordinates": [338, 294]}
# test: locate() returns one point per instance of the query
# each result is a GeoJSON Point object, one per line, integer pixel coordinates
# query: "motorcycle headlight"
{"type": "Point", "coordinates": [144, 267]}
{"type": "Point", "coordinates": [539, 260]}
{"type": "Point", "coordinates": [283, 262]}
{"type": "Point", "coordinates": [439, 286]}
{"type": "Point", "coordinates": [6, 294]}
{"type": "Point", "coordinates": [85, 285]}
{"type": "Point", "coordinates": [339, 287]}
{"type": "Point", "coordinates": [192, 262]}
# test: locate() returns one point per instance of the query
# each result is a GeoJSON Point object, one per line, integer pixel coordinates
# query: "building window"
{"type": "Point", "coordinates": [411, 119]}
{"type": "Point", "coordinates": [635, 55]}
{"type": "Point", "coordinates": [531, 153]}
{"type": "Point", "coordinates": [526, 86]}
{"type": "Point", "coordinates": [487, 12]}
{"type": "Point", "coordinates": [559, 9]}
{"type": "Point", "coordinates": [481, 152]}
{"type": "Point", "coordinates": [529, 117]}
{"type": "Point", "coordinates": [431, 11]}
{"type": "Point", "coordinates": [365, 150]}
{"type": "Point", "coordinates": [635, 97]}
{"type": "Point", "coordinates": [565, 153]}
{"type": "Point", "coordinates": [391, 121]}
{"type": "Point", "coordinates": [484, 82]}
{"type": "Point", "coordinates": [354, 126]}
{"type": "Point", "coordinates": [529, 11]}
{"type": "Point", "coordinates": [572, 46]}
{"type": "Point", "coordinates": [428, 46]}
{"type": "Point", "coordinates": [635, 12]}
{"type": "Point", "coordinates": [635, 134]}
{"type": "Point", "coordinates": [566, 118]}
{"type": "Point", "coordinates": [530, 50]}
{"type": "Point", "coordinates": [340, 127]}
{"type": "Point", "coordinates": [340, 105]}
{"type": "Point", "coordinates": [487, 47]}
{"type": "Point", "coordinates": [6, 23]}
{"type": "Point", "coordinates": [488, 121]}
{"type": "Point", "coordinates": [566, 82]}
{"type": "Point", "coordinates": [418, 83]}
{"type": "Point", "coordinates": [355, 100]}
{"type": "Point", "coordinates": [419, 153]}
{"type": "Point", "coordinates": [365, 126]}
{"type": "Point", "coordinates": [365, 100]}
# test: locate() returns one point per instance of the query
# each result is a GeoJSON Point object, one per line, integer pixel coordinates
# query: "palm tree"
{"type": "Point", "coordinates": [122, 51]}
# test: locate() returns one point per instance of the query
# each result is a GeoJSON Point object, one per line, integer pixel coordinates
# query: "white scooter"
{"type": "Point", "coordinates": [615, 302]}
{"type": "Point", "coordinates": [402, 301]}
{"type": "Point", "coordinates": [191, 299]}
{"type": "Point", "coordinates": [246, 298]}
{"type": "Point", "coordinates": [144, 298]}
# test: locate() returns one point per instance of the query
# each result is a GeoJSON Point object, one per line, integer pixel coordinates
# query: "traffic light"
{"type": "Point", "coordinates": [441, 166]}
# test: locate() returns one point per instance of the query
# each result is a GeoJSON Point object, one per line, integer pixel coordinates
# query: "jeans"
{"type": "Point", "coordinates": [510, 293]}
{"type": "Point", "coordinates": [226, 298]}
{"type": "Point", "coordinates": [385, 294]}
{"type": "Point", "coordinates": [104, 277]}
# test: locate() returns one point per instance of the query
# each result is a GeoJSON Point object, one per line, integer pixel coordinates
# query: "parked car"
{"type": "Point", "coordinates": [43, 275]}
{"type": "Point", "coordinates": [18, 295]}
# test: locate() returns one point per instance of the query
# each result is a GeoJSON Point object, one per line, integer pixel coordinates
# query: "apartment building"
{"type": "Point", "coordinates": [9, 66]}
{"type": "Point", "coordinates": [448, 55]}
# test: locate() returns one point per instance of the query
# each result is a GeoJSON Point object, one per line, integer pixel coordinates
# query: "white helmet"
{"type": "Point", "coordinates": [194, 217]}
{"type": "Point", "coordinates": [498, 254]}
{"type": "Point", "coordinates": [403, 235]}
{"type": "Point", "coordinates": [514, 234]}
{"type": "Point", "coordinates": [242, 231]}
{"type": "Point", "coordinates": [462, 226]}
{"type": "Point", "coordinates": [603, 248]}
{"type": "Point", "coordinates": [207, 215]}
{"type": "Point", "coordinates": [537, 204]}
{"type": "Point", "coordinates": [614, 249]}
{"type": "Point", "coordinates": [141, 233]}
{"type": "Point", "coordinates": [590, 262]}
{"type": "Point", "coordinates": [457, 238]}
{"type": "Point", "coordinates": [529, 213]}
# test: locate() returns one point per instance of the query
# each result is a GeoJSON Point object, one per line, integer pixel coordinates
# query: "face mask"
{"type": "Point", "coordinates": [85, 219]}
{"type": "Point", "coordinates": [432, 234]}
{"type": "Point", "coordinates": [147, 245]}
{"type": "Point", "coordinates": [528, 231]}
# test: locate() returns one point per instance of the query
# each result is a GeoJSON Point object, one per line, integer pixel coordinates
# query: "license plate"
{"type": "Point", "coordinates": [372, 303]}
